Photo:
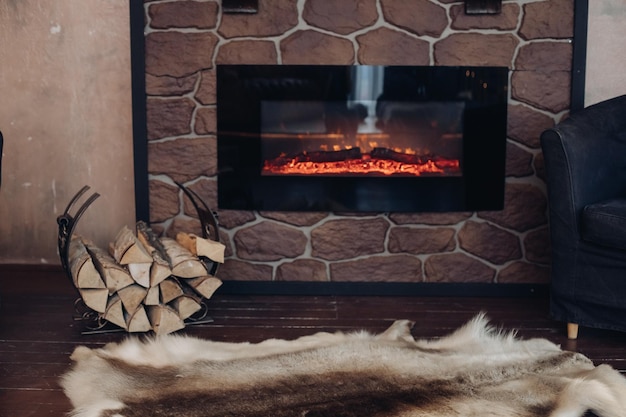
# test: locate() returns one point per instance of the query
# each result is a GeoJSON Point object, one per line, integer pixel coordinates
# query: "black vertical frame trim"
{"type": "Point", "coordinates": [140, 135]}
{"type": "Point", "coordinates": [579, 58]}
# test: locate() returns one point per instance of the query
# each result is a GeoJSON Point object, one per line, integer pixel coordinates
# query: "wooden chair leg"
{"type": "Point", "coordinates": [572, 331]}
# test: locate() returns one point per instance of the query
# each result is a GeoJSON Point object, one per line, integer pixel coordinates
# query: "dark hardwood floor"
{"type": "Point", "coordinates": [38, 333]}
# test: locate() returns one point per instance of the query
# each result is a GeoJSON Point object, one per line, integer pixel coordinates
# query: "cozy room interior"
{"type": "Point", "coordinates": [347, 261]}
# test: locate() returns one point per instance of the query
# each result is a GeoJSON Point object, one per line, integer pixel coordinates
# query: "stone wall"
{"type": "Point", "coordinates": [186, 39]}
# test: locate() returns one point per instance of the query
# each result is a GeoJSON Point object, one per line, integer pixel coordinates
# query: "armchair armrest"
{"type": "Point", "coordinates": [585, 158]}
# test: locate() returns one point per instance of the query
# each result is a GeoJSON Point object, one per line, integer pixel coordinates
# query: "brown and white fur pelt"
{"type": "Point", "coordinates": [475, 371]}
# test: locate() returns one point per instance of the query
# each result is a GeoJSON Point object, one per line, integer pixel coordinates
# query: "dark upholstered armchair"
{"type": "Point", "coordinates": [585, 158]}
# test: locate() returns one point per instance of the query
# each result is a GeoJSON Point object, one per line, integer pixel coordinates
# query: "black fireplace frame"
{"type": "Point", "coordinates": [241, 186]}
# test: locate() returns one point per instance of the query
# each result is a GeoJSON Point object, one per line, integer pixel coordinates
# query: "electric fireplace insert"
{"type": "Point", "coordinates": [361, 138]}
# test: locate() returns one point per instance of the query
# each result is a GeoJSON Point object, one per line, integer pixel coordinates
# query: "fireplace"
{"type": "Point", "coordinates": [361, 138]}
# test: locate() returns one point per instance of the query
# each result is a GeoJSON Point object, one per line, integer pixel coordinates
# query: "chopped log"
{"type": "Point", "coordinates": [187, 242]}
{"type": "Point", "coordinates": [211, 249]}
{"type": "Point", "coordinates": [184, 264]}
{"type": "Point", "coordinates": [160, 260]}
{"type": "Point", "coordinates": [159, 270]}
{"type": "Point", "coordinates": [199, 246]}
{"type": "Point", "coordinates": [140, 273]}
{"type": "Point", "coordinates": [115, 276]}
{"type": "Point", "coordinates": [84, 273]}
{"type": "Point", "coordinates": [115, 312]}
{"type": "Point", "coordinates": [153, 297]}
{"type": "Point", "coordinates": [128, 249]}
{"type": "Point", "coordinates": [170, 289]}
{"type": "Point", "coordinates": [204, 285]}
{"type": "Point", "coordinates": [95, 298]}
{"type": "Point", "coordinates": [150, 241]}
{"type": "Point", "coordinates": [132, 297]}
{"type": "Point", "coordinates": [186, 306]}
{"type": "Point", "coordinates": [138, 321]}
{"type": "Point", "coordinates": [164, 319]}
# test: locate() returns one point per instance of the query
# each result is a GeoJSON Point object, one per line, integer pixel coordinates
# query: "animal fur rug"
{"type": "Point", "coordinates": [476, 371]}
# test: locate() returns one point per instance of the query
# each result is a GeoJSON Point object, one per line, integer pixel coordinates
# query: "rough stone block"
{"type": "Point", "coordinates": [274, 18]}
{"type": "Point", "coordinates": [457, 267]}
{"type": "Point", "coordinates": [206, 93]}
{"type": "Point", "coordinates": [247, 52]}
{"type": "Point", "coordinates": [269, 241]}
{"type": "Point", "coordinates": [489, 242]}
{"type": "Point", "coordinates": [320, 49]}
{"type": "Point", "coordinates": [348, 238]}
{"type": "Point", "coordinates": [206, 189]}
{"type": "Point", "coordinates": [183, 159]}
{"type": "Point", "coordinates": [421, 240]}
{"type": "Point", "coordinates": [524, 273]}
{"type": "Point", "coordinates": [398, 268]}
{"type": "Point", "coordinates": [179, 54]}
{"type": "Point", "coordinates": [170, 86]}
{"type": "Point", "coordinates": [422, 17]}
{"type": "Point", "coordinates": [183, 14]}
{"type": "Point", "coordinates": [518, 161]}
{"type": "Point", "coordinates": [545, 90]}
{"type": "Point", "coordinates": [302, 270]}
{"type": "Point", "coordinates": [384, 45]}
{"type": "Point", "coordinates": [537, 244]}
{"type": "Point", "coordinates": [163, 201]}
{"type": "Point", "coordinates": [524, 208]}
{"type": "Point", "coordinates": [545, 56]}
{"type": "Point", "coordinates": [206, 121]}
{"type": "Point", "coordinates": [448, 218]}
{"type": "Point", "coordinates": [548, 19]}
{"type": "Point", "coordinates": [526, 124]}
{"type": "Point", "coordinates": [476, 49]}
{"type": "Point", "coordinates": [341, 17]}
{"type": "Point", "coordinates": [230, 219]}
{"type": "Point", "coordinates": [295, 218]}
{"type": "Point", "coordinates": [235, 270]}
{"type": "Point", "coordinates": [168, 117]}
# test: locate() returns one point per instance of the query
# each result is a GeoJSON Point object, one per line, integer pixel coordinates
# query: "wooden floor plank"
{"type": "Point", "coordinates": [38, 331]}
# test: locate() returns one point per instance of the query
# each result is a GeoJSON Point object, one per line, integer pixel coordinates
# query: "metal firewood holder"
{"type": "Point", "coordinates": [94, 322]}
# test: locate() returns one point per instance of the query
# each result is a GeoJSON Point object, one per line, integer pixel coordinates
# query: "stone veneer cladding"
{"type": "Point", "coordinates": [186, 39]}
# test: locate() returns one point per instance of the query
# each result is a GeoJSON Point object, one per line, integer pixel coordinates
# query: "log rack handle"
{"type": "Point", "coordinates": [67, 224]}
{"type": "Point", "coordinates": [208, 221]}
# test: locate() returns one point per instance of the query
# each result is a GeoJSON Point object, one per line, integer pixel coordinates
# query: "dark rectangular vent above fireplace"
{"type": "Point", "coordinates": [361, 138]}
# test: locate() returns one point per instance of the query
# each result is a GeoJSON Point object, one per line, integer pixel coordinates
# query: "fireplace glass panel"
{"type": "Point", "coordinates": [361, 138]}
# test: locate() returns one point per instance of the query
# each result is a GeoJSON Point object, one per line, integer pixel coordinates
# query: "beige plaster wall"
{"type": "Point", "coordinates": [65, 112]}
{"type": "Point", "coordinates": [606, 55]}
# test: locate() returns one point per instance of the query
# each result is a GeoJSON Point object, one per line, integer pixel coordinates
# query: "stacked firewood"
{"type": "Point", "coordinates": [144, 282]}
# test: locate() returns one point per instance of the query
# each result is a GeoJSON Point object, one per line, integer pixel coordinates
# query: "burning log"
{"type": "Point", "coordinates": [330, 156]}
{"type": "Point", "coordinates": [145, 283]}
{"type": "Point", "coordinates": [405, 158]}
{"type": "Point", "coordinates": [319, 157]}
